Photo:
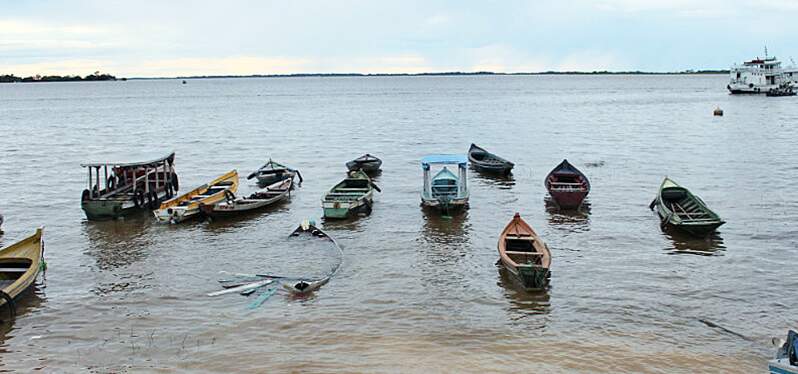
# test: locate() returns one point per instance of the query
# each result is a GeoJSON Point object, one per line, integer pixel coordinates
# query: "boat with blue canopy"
{"type": "Point", "coordinates": [445, 190]}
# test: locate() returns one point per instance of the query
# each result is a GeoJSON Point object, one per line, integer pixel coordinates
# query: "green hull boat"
{"type": "Point", "coordinates": [679, 208]}
{"type": "Point", "coordinates": [352, 196]}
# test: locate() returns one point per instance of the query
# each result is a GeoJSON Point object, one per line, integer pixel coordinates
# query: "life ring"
{"type": "Point", "coordinates": [85, 195]}
{"type": "Point", "coordinates": [138, 199]}
{"type": "Point", "coordinates": [175, 182]}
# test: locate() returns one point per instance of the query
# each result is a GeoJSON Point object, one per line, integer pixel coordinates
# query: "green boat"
{"type": "Point", "coordinates": [352, 196]}
{"type": "Point", "coordinates": [116, 189]}
{"type": "Point", "coordinates": [679, 208]}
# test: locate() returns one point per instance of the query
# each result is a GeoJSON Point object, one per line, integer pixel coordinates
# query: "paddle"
{"type": "Point", "coordinates": [375, 186]}
{"type": "Point", "coordinates": [252, 285]}
{"type": "Point", "coordinates": [262, 298]}
{"type": "Point", "coordinates": [254, 173]}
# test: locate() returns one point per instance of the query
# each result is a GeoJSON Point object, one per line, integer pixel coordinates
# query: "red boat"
{"type": "Point", "coordinates": [567, 186]}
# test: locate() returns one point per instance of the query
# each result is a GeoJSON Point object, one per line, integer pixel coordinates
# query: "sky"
{"type": "Point", "coordinates": [146, 38]}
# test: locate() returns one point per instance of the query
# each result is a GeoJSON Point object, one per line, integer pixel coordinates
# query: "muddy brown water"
{"type": "Point", "coordinates": [416, 292]}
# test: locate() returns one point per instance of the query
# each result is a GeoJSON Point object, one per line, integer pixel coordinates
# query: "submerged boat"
{"type": "Point", "coordinates": [262, 198]}
{"type": "Point", "coordinates": [445, 190]}
{"type": "Point", "coordinates": [786, 360]}
{"type": "Point", "coordinates": [187, 206]}
{"type": "Point", "coordinates": [367, 163]}
{"type": "Point", "coordinates": [353, 195]}
{"type": "Point", "coordinates": [524, 254]}
{"type": "Point", "coordinates": [307, 230]}
{"type": "Point", "coordinates": [273, 172]}
{"type": "Point", "coordinates": [567, 186]}
{"type": "Point", "coordinates": [483, 160]}
{"type": "Point", "coordinates": [20, 264]}
{"type": "Point", "coordinates": [679, 208]}
{"type": "Point", "coordinates": [116, 189]}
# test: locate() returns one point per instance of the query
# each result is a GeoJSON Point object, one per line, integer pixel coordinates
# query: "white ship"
{"type": "Point", "coordinates": [760, 75]}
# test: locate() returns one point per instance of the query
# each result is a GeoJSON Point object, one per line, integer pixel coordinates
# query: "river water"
{"type": "Point", "coordinates": [415, 293]}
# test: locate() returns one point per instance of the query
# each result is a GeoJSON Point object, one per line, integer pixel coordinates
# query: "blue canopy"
{"type": "Point", "coordinates": [444, 159]}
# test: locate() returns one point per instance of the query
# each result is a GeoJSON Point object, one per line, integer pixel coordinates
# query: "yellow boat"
{"type": "Point", "coordinates": [20, 264]}
{"type": "Point", "coordinates": [187, 206]}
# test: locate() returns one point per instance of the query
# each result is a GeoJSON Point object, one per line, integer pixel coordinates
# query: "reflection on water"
{"type": "Point", "coordinates": [232, 223]}
{"type": "Point", "coordinates": [26, 302]}
{"type": "Point", "coordinates": [688, 244]}
{"type": "Point", "coordinates": [443, 230]}
{"type": "Point", "coordinates": [522, 300]}
{"type": "Point", "coordinates": [502, 182]}
{"type": "Point", "coordinates": [119, 243]}
{"type": "Point", "coordinates": [569, 220]}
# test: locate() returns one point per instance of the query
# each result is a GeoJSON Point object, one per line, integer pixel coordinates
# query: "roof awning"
{"type": "Point", "coordinates": [444, 159]}
{"type": "Point", "coordinates": [170, 157]}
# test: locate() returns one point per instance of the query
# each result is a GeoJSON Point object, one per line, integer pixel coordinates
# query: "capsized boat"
{"type": "Point", "coordinates": [679, 208]}
{"type": "Point", "coordinates": [353, 195]}
{"type": "Point", "coordinates": [485, 161]}
{"type": "Point", "coordinates": [187, 206]}
{"type": "Point", "coordinates": [367, 163]}
{"type": "Point", "coordinates": [116, 189]}
{"type": "Point", "coordinates": [303, 286]}
{"type": "Point", "coordinates": [265, 197]}
{"type": "Point", "coordinates": [273, 172]}
{"type": "Point", "coordinates": [445, 190]}
{"type": "Point", "coordinates": [567, 186]}
{"type": "Point", "coordinates": [524, 254]}
{"type": "Point", "coordinates": [20, 264]}
{"type": "Point", "coordinates": [786, 360]}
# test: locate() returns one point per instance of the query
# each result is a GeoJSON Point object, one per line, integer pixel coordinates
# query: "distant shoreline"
{"type": "Point", "coordinates": [10, 78]}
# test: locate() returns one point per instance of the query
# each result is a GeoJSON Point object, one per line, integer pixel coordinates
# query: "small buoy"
{"type": "Point", "coordinates": [184, 82]}
{"type": "Point", "coordinates": [718, 112]}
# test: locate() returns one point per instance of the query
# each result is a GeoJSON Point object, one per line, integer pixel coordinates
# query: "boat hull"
{"type": "Point", "coordinates": [568, 200]}
{"type": "Point", "coordinates": [781, 366]}
{"type": "Point", "coordinates": [453, 205]}
{"type": "Point", "coordinates": [268, 179]}
{"type": "Point", "coordinates": [368, 167]}
{"type": "Point", "coordinates": [103, 210]}
{"type": "Point", "coordinates": [530, 277]}
{"type": "Point", "coordinates": [344, 210]}
{"type": "Point", "coordinates": [699, 221]}
{"type": "Point", "coordinates": [493, 169]}
{"type": "Point", "coordinates": [26, 254]}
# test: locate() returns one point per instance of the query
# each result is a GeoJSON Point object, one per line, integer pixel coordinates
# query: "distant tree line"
{"type": "Point", "coordinates": [97, 76]}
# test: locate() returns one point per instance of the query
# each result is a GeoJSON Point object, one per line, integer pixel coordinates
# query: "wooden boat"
{"type": "Point", "coordinates": [445, 191]}
{"type": "Point", "coordinates": [20, 264]}
{"type": "Point", "coordinates": [117, 189]}
{"type": "Point", "coordinates": [305, 286]}
{"type": "Point", "coordinates": [524, 254]}
{"type": "Point", "coordinates": [262, 198]}
{"type": "Point", "coordinates": [273, 172]}
{"type": "Point", "coordinates": [367, 163]}
{"type": "Point", "coordinates": [186, 206]}
{"type": "Point", "coordinates": [679, 208]}
{"type": "Point", "coordinates": [485, 161]}
{"type": "Point", "coordinates": [351, 196]}
{"type": "Point", "coordinates": [567, 186]}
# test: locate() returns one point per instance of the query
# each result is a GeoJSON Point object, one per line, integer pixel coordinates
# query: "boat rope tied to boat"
{"type": "Point", "coordinates": [12, 307]}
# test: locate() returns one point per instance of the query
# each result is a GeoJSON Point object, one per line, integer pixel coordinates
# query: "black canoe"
{"type": "Point", "coordinates": [483, 160]}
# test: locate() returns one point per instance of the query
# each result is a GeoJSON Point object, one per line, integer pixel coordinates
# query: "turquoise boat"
{"type": "Point", "coordinates": [445, 190]}
{"type": "Point", "coordinates": [353, 195]}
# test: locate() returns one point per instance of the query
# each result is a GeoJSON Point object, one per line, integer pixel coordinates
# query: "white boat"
{"type": "Point", "coordinates": [759, 76]}
{"type": "Point", "coordinates": [786, 360]}
{"type": "Point", "coordinates": [445, 190]}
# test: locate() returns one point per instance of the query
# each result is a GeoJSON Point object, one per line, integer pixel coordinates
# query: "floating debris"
{"type": "Point", "coordinates": [718, 112]}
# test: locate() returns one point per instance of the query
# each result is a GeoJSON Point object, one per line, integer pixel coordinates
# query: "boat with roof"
{"type": "Point", "coordinates": [445, 190]}
{"type": "Point", "coordinates": [187, 206]}
{"type": "Point", "coordinates": [760, 76]}
{"type": "Point", "coordinates": [116, 189]}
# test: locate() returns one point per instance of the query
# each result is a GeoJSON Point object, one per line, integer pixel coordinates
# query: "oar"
{"type": "Point", "coordinates": [262, 298]}
{"type": "Point", "coordinates": [252, 285]}
{"type": "Point", "coordinates": [715, 325]}
{"type": "Point", "coordinates": [653, 203]}
{"type": "Point", "coordinates": [254, 173]}
{"type": "Point", "coordinates": [375, 186]}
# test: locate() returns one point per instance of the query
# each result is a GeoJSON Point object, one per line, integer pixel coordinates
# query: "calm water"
{"type": "Point", "coordinates": [416, 293]}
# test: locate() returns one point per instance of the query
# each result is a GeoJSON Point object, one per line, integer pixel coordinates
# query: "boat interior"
{"type": "Point", "coordinates": [11, 269]}
{"type": "Point", "coordinates": [679, 202]}
{"type": "Point", "coordinates": [348, 188]}
{"type": "Point", "coordinates": [445, 185]}
{"type": "Point", "coordinates": [522, 251]}
{"type": "Point", "coordinates": [567, 182]}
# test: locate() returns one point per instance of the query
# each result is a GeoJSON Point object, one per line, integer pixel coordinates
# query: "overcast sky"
{"type": "Point", "coordinates": [170, 38]}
